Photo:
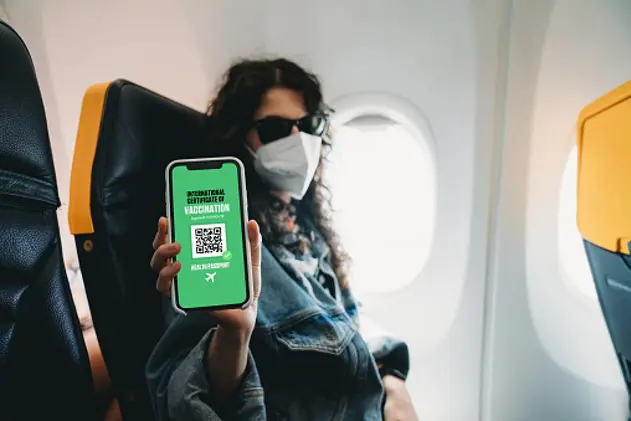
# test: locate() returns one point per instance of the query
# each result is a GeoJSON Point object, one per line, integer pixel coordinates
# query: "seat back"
{"type": "Point", "coordinates": [127, 135]}
{"type": "Point", "coordinates": [44, 364]}
{"type": "Point", "coordinates": [604, 210]}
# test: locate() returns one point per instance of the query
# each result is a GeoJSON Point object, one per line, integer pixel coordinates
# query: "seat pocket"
{"type": "Point", "coordinates": [319, 332]}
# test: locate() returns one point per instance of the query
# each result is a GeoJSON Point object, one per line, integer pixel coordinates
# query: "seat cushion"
{"type": "Point", "coordinates": [44, 365]}
{"type": "Point", "coordinates": [127, 136]}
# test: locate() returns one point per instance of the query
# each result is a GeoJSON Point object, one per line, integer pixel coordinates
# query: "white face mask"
{"type": "Point", "coordinates": [289, 164]}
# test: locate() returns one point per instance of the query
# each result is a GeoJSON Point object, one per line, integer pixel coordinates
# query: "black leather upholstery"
{"type": "Point", "coordinates": [44, 365]}
{"type": "Point", "coordinates": [140, 133]}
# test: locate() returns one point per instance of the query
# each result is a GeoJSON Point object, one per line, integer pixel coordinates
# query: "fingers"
{"type": "Point", "coordinates": [163, 254]}
{"type": "Point", "coordinates": [162, 235]}
{"type": "Point", "coordinates": [165, 277]}
{"type": "Point", "coordinates": [164, 251]}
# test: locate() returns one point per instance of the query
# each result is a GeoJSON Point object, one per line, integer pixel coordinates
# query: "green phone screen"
{"type": "Point", "coordinates": [207, 221]}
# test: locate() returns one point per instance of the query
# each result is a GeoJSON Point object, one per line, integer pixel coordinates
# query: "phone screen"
{"type": "Point", "coordinates": [207, 219]}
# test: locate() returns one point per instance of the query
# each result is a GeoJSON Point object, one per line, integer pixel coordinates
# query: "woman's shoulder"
{"type": "Point", "coordinates": [282, 295]}
{"type": "Point", "coordinates": [276, 276]}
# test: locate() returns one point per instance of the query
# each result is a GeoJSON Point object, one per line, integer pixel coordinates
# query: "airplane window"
{"type": "Point", "coordinates": [574, 262]}
{"type": "Point", "coordinates": [385, 225]}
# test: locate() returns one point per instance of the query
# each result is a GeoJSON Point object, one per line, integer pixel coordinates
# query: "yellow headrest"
{"type": "Point", "coordinates": [79, 213]}
{"type": "Point", "coordinates": [604, 171]}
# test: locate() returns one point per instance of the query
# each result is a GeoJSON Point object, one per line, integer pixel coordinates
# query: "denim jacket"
{"type": "Point", "coordinates": [306, 361]}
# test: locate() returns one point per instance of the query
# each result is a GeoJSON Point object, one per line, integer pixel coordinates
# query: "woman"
{"type": "Point", "coordinates": [295, 353]}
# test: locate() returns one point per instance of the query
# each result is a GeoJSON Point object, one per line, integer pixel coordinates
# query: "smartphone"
{"type": "Point", "coordinates": [207, 210]}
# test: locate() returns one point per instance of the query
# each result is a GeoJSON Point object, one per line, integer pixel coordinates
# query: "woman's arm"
{"type": "Point", "coordinates": [391, 354]}
{"type": "Point", "coordinates": [393, 360]}
{"type": "Point", "coordinates": [226, 362]}
{"type": "Point", "coordinates": [398, 406]}
{"type": "Point", "coordinates": [186, 379]}
{"type": "Point", "coordinates": [202, 368]}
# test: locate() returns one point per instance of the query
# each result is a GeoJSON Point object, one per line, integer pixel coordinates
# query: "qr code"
{"type": "Point", "coordinates": [208, 240]}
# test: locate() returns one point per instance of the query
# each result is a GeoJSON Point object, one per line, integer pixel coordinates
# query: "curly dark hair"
{"type": "Point", "coordinates": [231, 116]}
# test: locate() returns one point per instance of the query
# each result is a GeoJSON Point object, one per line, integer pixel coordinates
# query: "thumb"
{"type": "Point", "coordinates": [255, 256]}
{"type": "Point", "coordinates": [254, 235]}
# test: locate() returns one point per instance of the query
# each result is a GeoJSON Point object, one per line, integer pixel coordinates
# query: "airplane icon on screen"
{"type": "Point", "coordinates": [210, 277]}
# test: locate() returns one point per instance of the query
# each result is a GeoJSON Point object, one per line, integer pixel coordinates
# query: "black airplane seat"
{"type": "Point", "coordinates": [127, 135]}
{"type": "Point", "coordinates": [44, 365]}
{"type": "Point", "coordinates": [604, 210]}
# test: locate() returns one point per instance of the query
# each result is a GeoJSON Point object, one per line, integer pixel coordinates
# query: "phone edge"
{"type": "Point", "coordinates": [244, 215]}
{"type": "Point", "coordinates": [167, 194]}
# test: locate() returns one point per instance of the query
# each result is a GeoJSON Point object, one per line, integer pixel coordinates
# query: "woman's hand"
{"type": "Point", "coordinates": [236, 323]}
{"type": "Point", "coordinates": [398, 405]}
{"type": "Point", "coordinates": [226, 359]}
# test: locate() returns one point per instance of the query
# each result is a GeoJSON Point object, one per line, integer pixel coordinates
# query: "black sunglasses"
{"type": "Point", "coordinates": [273, 127]}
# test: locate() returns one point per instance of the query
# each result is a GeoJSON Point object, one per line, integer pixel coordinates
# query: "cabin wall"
{"type": "Point", "coordinates": [548, 354]}
{"type": "Point", "coordinates": [495, 329]}
{"type": "Point", "coordinates": [3, 13]}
